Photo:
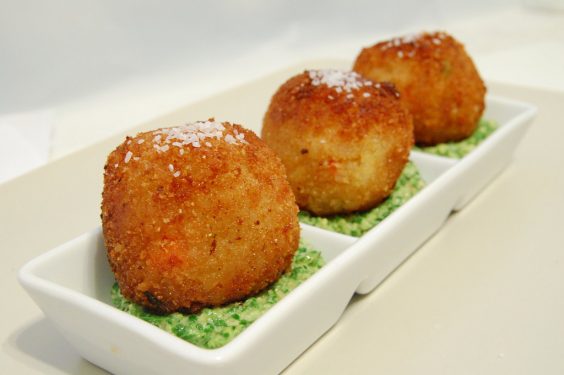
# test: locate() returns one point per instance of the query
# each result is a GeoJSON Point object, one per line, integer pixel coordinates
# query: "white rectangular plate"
{"type": "Point", "coordinates": [71, 283]}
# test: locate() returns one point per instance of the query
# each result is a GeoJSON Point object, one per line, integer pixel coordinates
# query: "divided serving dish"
{"type": "Point", "coordinates": [72, 282]}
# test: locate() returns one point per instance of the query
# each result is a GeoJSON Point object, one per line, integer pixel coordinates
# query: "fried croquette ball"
{"type": "Point", "coordinates": [343, 139]}
{"type": "Point", "coordinates": [197, 215]}
{"type": "Point", "coordinates": [437, 80]}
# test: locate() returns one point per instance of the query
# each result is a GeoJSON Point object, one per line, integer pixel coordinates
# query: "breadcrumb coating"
{"type": "Point", "coordinates": [197, 215]}
{"type": "Point", "coordinates": [343, 139]}
{"type": "Point", "coordinates": [437, 80]}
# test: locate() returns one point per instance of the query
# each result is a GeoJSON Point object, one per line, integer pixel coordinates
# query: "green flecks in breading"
{"type": "Point", "coordinates": [457, 150]}
{"type": "Point", "coordinates": [214, 327]}
{"type": "Point", "coordinates": [358, 223]}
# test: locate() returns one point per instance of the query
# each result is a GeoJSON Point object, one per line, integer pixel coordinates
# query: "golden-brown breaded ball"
{"type": "Point", "coordinates": [437, 80]}
{"type": "Point", "coordinates": [197, 215]}
{"type": "Point", "coordinates": [343, 139]}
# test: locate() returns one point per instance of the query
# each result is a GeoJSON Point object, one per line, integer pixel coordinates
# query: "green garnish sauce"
{"type": "Point", "coordinates": [358, 223]}
{"type": "Point", "coordinates": [457, 150]}
{"type": "Point", "coordinates": [214, 327]}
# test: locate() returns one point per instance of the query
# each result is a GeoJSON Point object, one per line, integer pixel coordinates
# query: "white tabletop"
{"type": "Point", "coordinates": [485, 295]}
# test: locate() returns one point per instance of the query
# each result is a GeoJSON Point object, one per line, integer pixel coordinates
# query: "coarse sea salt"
{"type": "Point", "coordinates": [413, 40]}
{"type": "Point", "coordinates": [340, 80]}
{"type": "Point", "coordinates": [128, 156]}
{"type": "Point", "coordinates": [396, 42]}
{"type": "Point", "coordinates": [230, 139]}
{"type": "Point", "coordinates": [194, 134]}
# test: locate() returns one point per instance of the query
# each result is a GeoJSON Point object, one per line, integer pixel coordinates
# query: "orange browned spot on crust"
{"type": "Point", "coordinates": [343, 139]}
{"type": "Point", "coordinates": [437, 80]}
{"type": "Point", "coordinates": [179, 217]}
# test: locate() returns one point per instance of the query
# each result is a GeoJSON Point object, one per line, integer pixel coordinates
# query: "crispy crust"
{"type": "Point", "coordinates": [437, 79]}
{"type": "Point", "coordinates": [344, 151]}
{"type": "Point", "coordinates": [223, 229]}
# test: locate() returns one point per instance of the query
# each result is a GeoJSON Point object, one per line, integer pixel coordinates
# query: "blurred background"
{"type": "Point", "coordinates": [74, 72]}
